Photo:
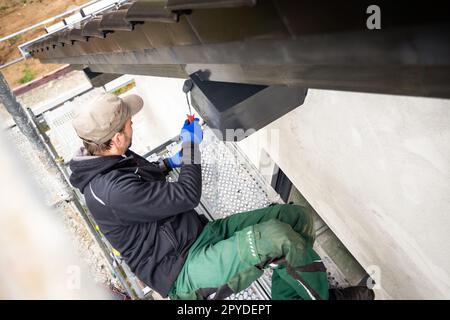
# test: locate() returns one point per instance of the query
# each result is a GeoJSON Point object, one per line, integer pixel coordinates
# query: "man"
{"type": "Point", "coordinates": [154, 226]}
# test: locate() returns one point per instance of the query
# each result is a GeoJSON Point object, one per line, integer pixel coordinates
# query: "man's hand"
{"type": "Point", "coordinates": [175, 160]}
{"type": "Point", "coordinates": [192, 132]}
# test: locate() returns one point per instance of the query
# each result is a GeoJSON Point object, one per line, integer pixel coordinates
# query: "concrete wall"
{"type": "Point", "coordinates": [165, 108]}
{"type": "Point", "coordinates": [375, 167]}
{"type": "Point", "coordinates": [377, 170]}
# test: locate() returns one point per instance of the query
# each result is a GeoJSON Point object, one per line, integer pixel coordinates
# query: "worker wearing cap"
{"type": "Point", "coordinates": [153, 224]}
{"type": "Point", "coordinates": [149, 221]}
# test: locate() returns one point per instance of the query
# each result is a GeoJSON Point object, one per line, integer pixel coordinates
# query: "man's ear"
{"type": "Point", "coordinates": [116, 139]}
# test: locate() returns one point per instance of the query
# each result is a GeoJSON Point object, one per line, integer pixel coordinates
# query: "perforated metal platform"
{"type": "Point", "coordinates": [231, 185]}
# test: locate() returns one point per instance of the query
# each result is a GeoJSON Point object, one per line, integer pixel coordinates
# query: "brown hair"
{"type": "Point", "coordinates": [96, 149]}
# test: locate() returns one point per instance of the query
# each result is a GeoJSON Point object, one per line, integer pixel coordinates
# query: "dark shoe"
{"type": "Point", "coordinates": [352, 293]}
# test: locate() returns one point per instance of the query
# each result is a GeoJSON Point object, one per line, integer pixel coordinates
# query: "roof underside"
{"type": "Point", "coordinates": [316, 44]}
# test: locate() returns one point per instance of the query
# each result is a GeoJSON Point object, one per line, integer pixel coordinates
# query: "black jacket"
{"type": "Point", "coordinates": [151, 222]}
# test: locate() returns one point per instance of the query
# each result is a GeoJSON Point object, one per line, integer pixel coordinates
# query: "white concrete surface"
{"type": "Point", "coordinates": [375, 167]}
{"type": "Point", "coordinates": [377, 170]}
{"type": "Point", "coordinates": [165, 107]}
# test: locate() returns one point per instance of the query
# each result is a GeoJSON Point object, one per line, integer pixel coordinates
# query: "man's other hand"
{"type": "Point", "coordinates": [175, 160]}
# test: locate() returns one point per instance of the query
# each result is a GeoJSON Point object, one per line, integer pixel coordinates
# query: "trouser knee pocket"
{"type": "Point", "coordinates": [272, 239]}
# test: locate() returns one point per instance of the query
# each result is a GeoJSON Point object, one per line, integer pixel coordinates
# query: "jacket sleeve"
{"type": "Point", "coordinates": [161, 163]}
{"type": "Point", "coordinates": [134, 200]}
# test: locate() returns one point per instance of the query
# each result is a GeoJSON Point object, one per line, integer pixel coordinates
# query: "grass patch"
{"type": "Point", "coordinates": [12, 41]}
{"type": "Point", "coordinates": [27, 75]}
{"type": "Point", "coordinates": [125, 88]}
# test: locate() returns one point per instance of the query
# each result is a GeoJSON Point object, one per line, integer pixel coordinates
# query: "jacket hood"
{"type": "Point", "coordinates": [85, 167]}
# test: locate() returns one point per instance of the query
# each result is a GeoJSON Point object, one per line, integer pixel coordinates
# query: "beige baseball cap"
{"type": "Point", "coordinates": [101, 119]}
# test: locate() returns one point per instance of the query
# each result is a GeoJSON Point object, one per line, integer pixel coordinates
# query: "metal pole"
{"type": "Point", "coordinates": [7, 64]}
{"type": "Point", "coordinates": [31, 132]}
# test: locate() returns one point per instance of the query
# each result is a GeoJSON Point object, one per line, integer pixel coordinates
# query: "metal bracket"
{"type": "Point", "coordinates": [237, 110]}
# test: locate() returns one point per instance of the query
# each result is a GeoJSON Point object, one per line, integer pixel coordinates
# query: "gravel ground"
{"type": "Point", "coordinates": [46, 92]}
{"type": "Point", "coordinates": [53, 89]}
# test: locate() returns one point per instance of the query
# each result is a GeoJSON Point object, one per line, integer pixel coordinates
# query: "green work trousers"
{"type": "Point", "coordinates": [231, 253]}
